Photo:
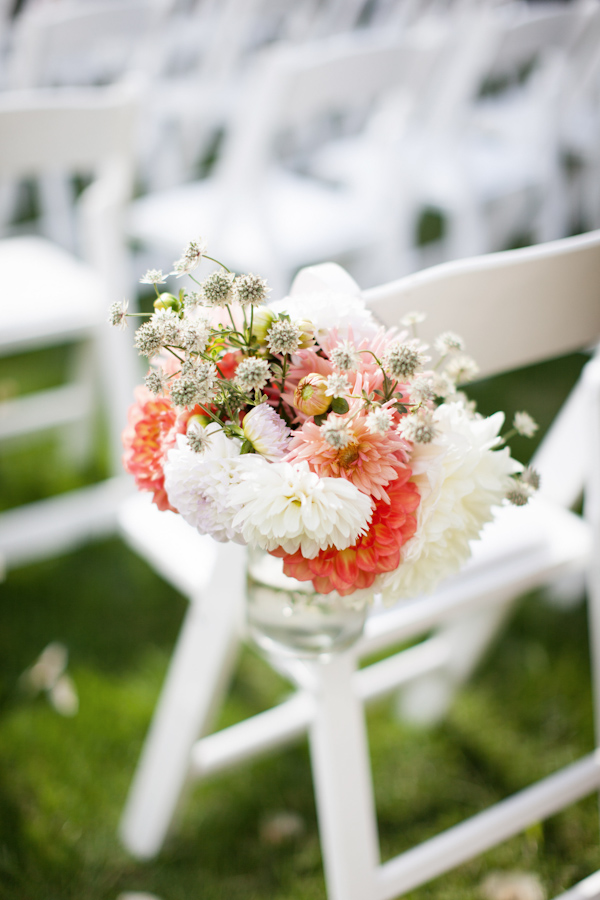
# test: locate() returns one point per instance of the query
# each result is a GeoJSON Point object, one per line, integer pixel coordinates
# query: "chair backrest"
{"type": "Point", "coordinates": [67, 42]}
{"type": "Point", "coordinates": [494, 49]}
{"type": "Point", "coordinates": [524, 34]}
{"type": "Point", "coordinates": [76, 129]}
{"type": "Point", "coordinates": [294, 85]}
{"type": "Point", "coordinates": [514, 309]}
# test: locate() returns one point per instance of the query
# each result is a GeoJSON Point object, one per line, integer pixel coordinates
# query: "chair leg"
{"type": "Point", "coordinates": [343, 786]}
{"type": "Point", "coordinates": [591, 380]}
{"type": "Point", "coordinates": [197, 677]}
{"type": "Point", "coordinates": [426, 700]}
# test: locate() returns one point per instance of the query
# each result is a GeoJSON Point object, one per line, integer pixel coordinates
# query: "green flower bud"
{"type": "Point", "coordinates": [310, 397]}
{"type": "Point", "coordinates": [168, 301]}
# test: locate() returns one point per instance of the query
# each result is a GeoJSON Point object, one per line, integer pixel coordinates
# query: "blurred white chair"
{"type": "Point", "coordinates": [489, 164]}
{"type": "Point", "coordinates": [52, 298]}
{"type": "Point", "coordinates": [579, 124]}
{"type": "Point", "coordinates": [260, 214]}
{"type": "Point", "coordinates": [515, 308]}
{"type": "Point", "coordinates": [67, 42]}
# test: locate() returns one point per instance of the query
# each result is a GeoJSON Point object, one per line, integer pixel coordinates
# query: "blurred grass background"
{"type": "Point", "coordinates": [63, 781]}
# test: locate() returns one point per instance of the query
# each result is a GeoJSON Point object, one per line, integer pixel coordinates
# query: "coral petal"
{"type": "Point", "coordinates": [366, 557]}
{"type": "Point", "coordinates": [346, 566]}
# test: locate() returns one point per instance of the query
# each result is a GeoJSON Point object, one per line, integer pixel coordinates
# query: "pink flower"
{"type": "Point", "coordinates": [148, 436]}
{"type": "Point", "coordinates": [377, 551]}
{"type": "Point", "coordinates": [370, 460]}
{"type": "Point", "coordinates": [311, 362]}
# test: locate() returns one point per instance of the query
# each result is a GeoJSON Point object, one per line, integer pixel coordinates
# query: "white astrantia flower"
{"type": "Point", "coordinates": [448, 341]}
{"type": "Point", "coordinates": [418, 427]}
{"type": "Point", "coordinates": [195, 335]}
{"type": "Point", "coordinates": [148, 339]}
{"type": "Point", "coordinates": [328, 310]}
{"type": "Point", "coordinates": [198, 437]}
{"type": "Point", "coordinates": [266, 431]}
{"type": "Point", "coordinates": [379, 421]}
{"type": "Point", "coordinates": [153, 276]}
{"type": "Point", "coordinates": [337, 385]}
{"type": "Point", "coordinates": [157, 381]}
{"type": "Point", "coordinates": [252, 373]}
{"type": "Point", "coordinates": [345, 356]}
{"type": "Point", "coordinates": [197, 384]}
{"type": "Point", "coordinates": [462, 368]}
{"type": "Point", "coordinates": [422, 389]}
{"type": "Point", "coordinates": [190, 259]}
{"type": "Point", "coordinates": [442, 385]}
{"type": "Point", "coordinates": [337, 431]}
{"type": "Point", "coordinates": [117, 314]}
{"type": "Point", "coordinates": [199, 485]}
{"type": "Point", "coordinates": [461, 478]}
{"type": "Point", "coordinates": [286, 505]}
{"type": "Point", "coordinates": [217, 289]}
{"type": "Point", "coordinates": [403, 359]}
{"type": "Point", "coordinates": [169, 325]}
{"type": "Point", "coordinates": [412, 318]}
{"type": "Point", "coordinates": [283, 336]}
{"type": "Point", "coordinates": [524, 424]}
{"type": "Point", "coordinates": [250, 290]}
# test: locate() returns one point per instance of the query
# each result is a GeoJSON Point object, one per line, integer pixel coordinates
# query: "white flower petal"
{"type": "Point", "coordinates": [460, 478]}
{"type": "Point", "coordinates": [286, 505]}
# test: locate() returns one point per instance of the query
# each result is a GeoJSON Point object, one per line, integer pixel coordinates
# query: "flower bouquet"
{"type": "Point", "coordinates": [342, 452]}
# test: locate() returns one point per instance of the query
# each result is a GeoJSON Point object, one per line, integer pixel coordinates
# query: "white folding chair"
{"type": "Point", "coordinates": [67, 42]}
{"type": "Point", "coordinates": [513, 308]}
{"type": "Point", "coordinates": [491, 162]}
{"type": "Point", "coordinates": [488, 166]}
{"type": "Point", "coordinates": [259, 213]}
{"type": "Point", "coordinates": [52, 298]}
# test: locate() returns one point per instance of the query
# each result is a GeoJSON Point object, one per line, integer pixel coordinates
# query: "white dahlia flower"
{"type": "Point", "coordinates": [199, 484]}
{"type": "Point", "coordinates": [266, 431]}
{"type": "Point", "coordinates": [286, 505]}
{"type": "Point", "coordinates": [460, 477]}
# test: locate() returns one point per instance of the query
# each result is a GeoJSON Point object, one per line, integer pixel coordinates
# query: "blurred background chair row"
{"type": "Point", "coordinates": [417, 131]}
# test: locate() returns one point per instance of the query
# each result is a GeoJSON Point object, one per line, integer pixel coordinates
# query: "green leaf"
{"type": "Point", "coordinates": [321, 418]}
{"type": "Point", "coordinates": [339, 405]}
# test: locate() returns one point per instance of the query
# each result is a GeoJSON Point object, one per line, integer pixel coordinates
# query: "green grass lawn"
{"type": "Point", "coordinates": [63, 781]}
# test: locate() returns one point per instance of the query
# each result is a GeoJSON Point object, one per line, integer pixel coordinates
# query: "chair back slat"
{"type": "Point", "coordinates": [512, 309]}
{"type": "Point", "coordinates": [64, 128]}
{"type": "Point", "coordinates": [292, 86]}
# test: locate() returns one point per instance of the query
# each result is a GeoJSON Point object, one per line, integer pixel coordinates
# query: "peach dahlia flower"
{"type": "Point", "coordinates": [369, 460]}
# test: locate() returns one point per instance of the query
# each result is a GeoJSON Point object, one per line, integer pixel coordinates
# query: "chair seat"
{"type": "Point", "coordinates": [522, 548]}
{"type": "Point", "coordinates": [48, 295]}
{"type": "Point", "coordinates": [299, 219]}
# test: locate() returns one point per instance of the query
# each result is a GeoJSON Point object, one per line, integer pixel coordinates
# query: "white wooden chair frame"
{"type": "Point", "coordinates": [331, 694]}
{"type": "Point", "coordinates": [63, 130]}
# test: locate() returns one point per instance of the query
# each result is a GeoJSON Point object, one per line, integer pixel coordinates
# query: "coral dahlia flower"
{"type": "Point", "coordinates": [346, 571]}
{"type": "Point", "coordinates": [149, 434]}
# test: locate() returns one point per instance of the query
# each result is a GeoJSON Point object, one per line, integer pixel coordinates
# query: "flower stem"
{"type": "Point", "coordinates": [218, 262]}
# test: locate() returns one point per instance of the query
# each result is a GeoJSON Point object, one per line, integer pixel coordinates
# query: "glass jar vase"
{"type": "Point", "coordinates": [288, 617]}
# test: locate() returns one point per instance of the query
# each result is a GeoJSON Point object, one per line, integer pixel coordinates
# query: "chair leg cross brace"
{"type": "Point", "coordinates": [346, 810]}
